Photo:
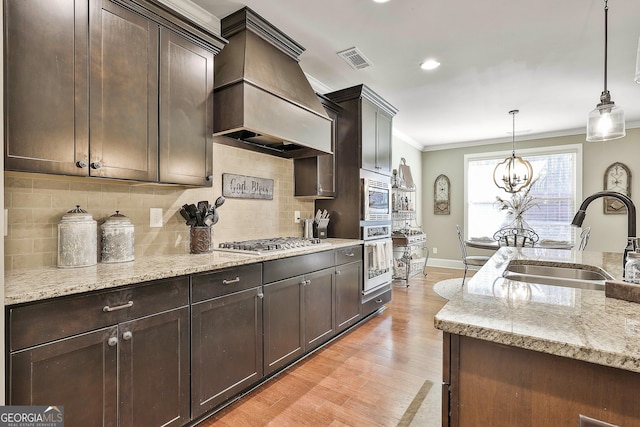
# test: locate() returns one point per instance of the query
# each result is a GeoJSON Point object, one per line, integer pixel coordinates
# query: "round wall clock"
{"type": "Point", "coordinates": [441, 195]}
{"type": "Point", "coordinates": [617, 177]}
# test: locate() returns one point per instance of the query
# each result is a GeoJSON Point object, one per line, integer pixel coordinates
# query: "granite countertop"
{"type": "Point", "coordinates": [576, 323]}
{"type": "Point", "coordinates": [31, 285]}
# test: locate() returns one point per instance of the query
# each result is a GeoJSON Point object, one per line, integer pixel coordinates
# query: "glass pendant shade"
{"type": "Point", "coordinates": [512, 174]}
{"type": "Point", "coordinates": [605, 123]}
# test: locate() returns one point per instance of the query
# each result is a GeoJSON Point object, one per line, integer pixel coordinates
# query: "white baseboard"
{"type": "Point", "coordinates": [445, 263]}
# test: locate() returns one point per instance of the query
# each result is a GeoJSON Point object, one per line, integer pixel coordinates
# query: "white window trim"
{"type": "Point", "coordinates": [568, 148]}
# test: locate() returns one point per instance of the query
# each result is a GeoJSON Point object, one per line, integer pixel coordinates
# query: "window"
{"type": "Point", "coordinates": [557, 191]}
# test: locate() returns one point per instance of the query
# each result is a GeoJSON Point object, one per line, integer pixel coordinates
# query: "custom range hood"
{"type": "Point", "coordinates": [262, 99]}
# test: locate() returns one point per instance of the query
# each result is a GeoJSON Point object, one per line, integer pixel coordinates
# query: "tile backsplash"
{"type": "Point", "coordinates": [37, 202]}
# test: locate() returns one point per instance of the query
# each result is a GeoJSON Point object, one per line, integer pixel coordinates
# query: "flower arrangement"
{"type": "Point", "coordinates": [517, 205]}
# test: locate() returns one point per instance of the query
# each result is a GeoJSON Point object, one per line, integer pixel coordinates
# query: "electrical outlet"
{"type": "Point", "coordinates": [434, 250]}
{"type": "Point", "coordinates": [155, 217]}
{"type": "Point", "coordinates": [296, 217]}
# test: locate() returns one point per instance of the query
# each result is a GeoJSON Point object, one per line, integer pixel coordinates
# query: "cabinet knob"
{"type": "Point", "coordinates": [81, 164]}
{"type": "Point", "coordinates": [337, 272]}
{"type": "Point", "coordinates": [127, 336]}
{"type": "Point", "coordinates": [209, 178]}
{"type": "Point", "coordinates": [260, 294]}
{"type": "Point", "coordinates": [112, 341]}
{"type": "Point", "coordinates": [96, 165]}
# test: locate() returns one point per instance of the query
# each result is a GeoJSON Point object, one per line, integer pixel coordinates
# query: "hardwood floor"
{"type": "Point", "coordinates": [386, 372]}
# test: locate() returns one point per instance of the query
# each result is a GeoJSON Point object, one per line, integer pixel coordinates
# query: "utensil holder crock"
{"type": "Point", "coordinates": [200, 239]}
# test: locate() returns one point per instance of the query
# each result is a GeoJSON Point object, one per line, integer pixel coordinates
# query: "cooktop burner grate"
{"type": "Point", "coordinates": [262, 246]}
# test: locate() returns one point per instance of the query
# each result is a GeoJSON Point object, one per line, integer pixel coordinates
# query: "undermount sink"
{"type": "Point", "coordinates": [568, 275]}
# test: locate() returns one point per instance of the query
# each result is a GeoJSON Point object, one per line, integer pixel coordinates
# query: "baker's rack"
{"type": "Point", "coordinates": [410, 250]}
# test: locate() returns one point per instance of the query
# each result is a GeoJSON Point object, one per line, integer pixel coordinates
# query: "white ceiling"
{"type": "Point", "coordinates": [542, 57]}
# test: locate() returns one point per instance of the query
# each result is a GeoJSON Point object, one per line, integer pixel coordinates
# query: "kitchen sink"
{"type": "Point", "coordinates": [557, 274]}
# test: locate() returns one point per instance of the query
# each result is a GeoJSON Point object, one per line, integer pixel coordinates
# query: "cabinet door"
{"type": "Point", "coordinates": [368, 134]}
{"type": "Point", "coordinates": [154, 370]}
{"type": "Point", "coordinates": [348, 292]}
{"type": "Point", "coordinates": [319, 292]}
{"type": "Point", "coordinates": [226, 343]}
{"type": "Point", "coordinates": [383, 143]}
{"type": "Point", "coordinates": [186, 111]}
{"type": "Point", "coordinates": [124, 93]}
{"type": "Point", "coordinates": [283, 323]}
{"type": "Point", "coordinates": [79, 373]}
{"type": "Point", "coordinates": [46, 86]}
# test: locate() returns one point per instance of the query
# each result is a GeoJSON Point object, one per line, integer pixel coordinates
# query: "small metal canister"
{"type": "Point", "coordinates": [77, 239]}
{"type": "Point", "coordinates": [117, 239]}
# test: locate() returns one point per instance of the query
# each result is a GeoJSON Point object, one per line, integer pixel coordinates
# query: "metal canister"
{"type": "Point", "coordinates": [117, 239]}
{"type": "Point", "coordinates": [77, 239]}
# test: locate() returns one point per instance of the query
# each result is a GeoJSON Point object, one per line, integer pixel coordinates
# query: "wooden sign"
{"type": "Point", "coordinates": [246, 187]}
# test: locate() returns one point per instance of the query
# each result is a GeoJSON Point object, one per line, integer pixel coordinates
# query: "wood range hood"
{"type": "Point", "coordinates": [262, 98]}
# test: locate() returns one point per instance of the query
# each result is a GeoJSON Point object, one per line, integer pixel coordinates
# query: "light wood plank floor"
{"type": "Point", "coordinates": [386, 372]}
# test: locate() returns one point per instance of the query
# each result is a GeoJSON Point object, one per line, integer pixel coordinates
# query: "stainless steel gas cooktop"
{"type": "Point", "coordinates": [276, 244]}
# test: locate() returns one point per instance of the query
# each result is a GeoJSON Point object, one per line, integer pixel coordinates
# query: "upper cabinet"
{"type": "Point", "coordinates": [316, 176]}
{"type": "Point", "coordinates": [371, 117]}
{"type": "Point", "coordinates": [110, 89]}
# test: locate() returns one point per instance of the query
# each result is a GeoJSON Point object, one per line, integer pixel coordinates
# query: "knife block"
{"type": "Point", "coordinates": [320, 229]}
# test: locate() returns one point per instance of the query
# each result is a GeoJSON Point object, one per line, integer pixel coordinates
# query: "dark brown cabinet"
{"type": "Point", "coordinates": [299, 311]}
{"type": "Point", "coordinates": [46, 85]}
{"type": "Point", "coordinates": [316, 176]}
{"type": "Point", "coordinates": [226, 335]}
{"type": "Point", "coordinates": [130, 98]}
{"type": "Point", "coordinates": [123, 135]}
{"type": "Point", "coordinates": [367, 120]}
{"type": "Point", "coordinates": [348, 286]}
{"type": "Point", "coordinates": [110, 375]}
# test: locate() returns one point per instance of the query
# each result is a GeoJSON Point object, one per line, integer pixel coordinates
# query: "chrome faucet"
{"type": "Point", "coordinates": [631, 218]}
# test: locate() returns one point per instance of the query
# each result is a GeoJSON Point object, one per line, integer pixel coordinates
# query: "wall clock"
{"type": "Point", "coordinates": [441, 195]}
{"type": "Point", "coordinates": [617, 177]}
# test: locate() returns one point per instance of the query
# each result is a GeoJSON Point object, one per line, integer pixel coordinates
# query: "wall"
{"type": "Point", "coordinates": [36, 203]}
{"type": "Point", "coordinates": [608, 232]}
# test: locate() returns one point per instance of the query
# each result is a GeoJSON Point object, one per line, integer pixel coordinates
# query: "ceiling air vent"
{"type": "Point", "coordinates": [355, 58]}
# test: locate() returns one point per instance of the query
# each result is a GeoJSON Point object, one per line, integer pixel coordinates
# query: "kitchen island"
{"type": "Point", "coordinates": [519, 353]}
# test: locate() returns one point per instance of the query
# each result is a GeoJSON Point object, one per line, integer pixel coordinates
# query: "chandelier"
{"type": "Point", "coordinates": [513, 173]}
{"type": "Point", "coordinates": [606, 122]}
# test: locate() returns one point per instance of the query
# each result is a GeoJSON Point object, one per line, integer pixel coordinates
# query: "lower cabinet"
{"type": "Point", "coordinates": [226, 335]}
{"type": "Point", "coordinates": [348, 286]}
{"type": "Point", "coordinates": [133, 370]}
{"type": "Point", "coordinates": [298, 317]}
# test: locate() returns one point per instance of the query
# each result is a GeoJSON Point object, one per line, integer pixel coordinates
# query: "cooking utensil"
{"type": "Point", "coordinates": [219, 201]}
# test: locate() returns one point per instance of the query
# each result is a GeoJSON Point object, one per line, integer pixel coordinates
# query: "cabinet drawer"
{"type": "Point", "coordinates": [347, 255]}
{"type": "Point", "coordinates": [376, 301]}
{"type": "Point", "coordinates": [284, 268]}
{"type": "Point", "coordinates": [54, 319]}
{"type": "Point", "coordinates": [223, 282]}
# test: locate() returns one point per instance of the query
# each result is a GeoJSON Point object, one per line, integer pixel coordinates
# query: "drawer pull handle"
{"type": "Point", "coordinates": [228, 282]}
{"type": "Point", "coordinates": [112, 341]}
{"type": "Point", "coordinates": [350, 254]}
{"type": "Point", "coordinates": [108, 309]}
{"type": "Point", "coordinates": [127, 336]}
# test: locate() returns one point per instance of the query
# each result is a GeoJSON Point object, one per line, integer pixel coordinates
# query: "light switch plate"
{"type": "Point", "coordinates": [155, 217]}
{"type": "Point", "coordinates": [296, 217]}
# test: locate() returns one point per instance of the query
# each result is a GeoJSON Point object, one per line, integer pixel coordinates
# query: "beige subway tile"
{"type": "Point", "coordinates": [33, 260]}
{"type": "Point", "coordinates": [45, 245]}
{"type": "Point", "coordinates": [46, 185]}
{"type": "Point", "coordinates": [18, 184]}
{"type": "Point", "coordinates": [34, 200]}
{"type": "Point", "coordinates": [32, 231]}
{"type": "Point", "coordinates": [20, 216]}
{"type": "Point", "coordinates": [68, 201]}
{"type": "Point", "coordinates": [101, 201]}
{"type": "Point", "coordinates": [18, 246]}
{"type": "Point", "coordinates": [47, 216]}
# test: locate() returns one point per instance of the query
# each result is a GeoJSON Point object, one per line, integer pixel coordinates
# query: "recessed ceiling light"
{"type": "Point", "coordinates": [380, 1]}
{"type": "Point", "coordinates": [430, 64]}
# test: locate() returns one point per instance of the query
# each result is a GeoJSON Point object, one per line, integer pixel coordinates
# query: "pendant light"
{"type": "Point", "coordinates": [513, 173]}
{"type": "Point", "coordinates": [606, 122]}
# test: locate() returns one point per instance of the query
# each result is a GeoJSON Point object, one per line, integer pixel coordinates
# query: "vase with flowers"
{"type": "Point", "coordinates": [516, 206]}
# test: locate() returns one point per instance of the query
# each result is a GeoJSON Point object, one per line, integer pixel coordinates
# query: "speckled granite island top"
{"type": "Point", "coordinates": [32, 285]}
{"type": "Point", "coordinates": [575, 323]}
